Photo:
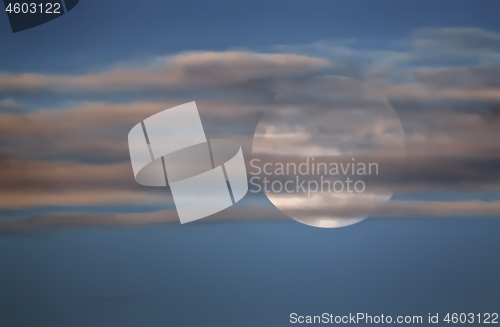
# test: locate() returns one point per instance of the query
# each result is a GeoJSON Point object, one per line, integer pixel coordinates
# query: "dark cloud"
{"type": "Point", "coordinates": [393, 209]}
{"type": "Point", "coordinates": [183, 71]}
{"type": "Point", "coordinates": [443, 83]}
{"type": "Point", "coordinates": [463, 77]}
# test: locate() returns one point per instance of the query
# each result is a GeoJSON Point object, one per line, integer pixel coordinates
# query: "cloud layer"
{"type": "Point", "coordinates": [63, 138]}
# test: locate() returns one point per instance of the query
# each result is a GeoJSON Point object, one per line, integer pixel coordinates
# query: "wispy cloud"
{"type": "Point", "coordinates": [188, 70]}
{"type": "Point", "coordinates": [394, 209]}
{"type": "Point", "coordinates": [443, 83]}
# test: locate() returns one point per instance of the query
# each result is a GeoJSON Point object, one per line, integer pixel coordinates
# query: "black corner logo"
{"type": "Point", "coordinates": [25, 14]}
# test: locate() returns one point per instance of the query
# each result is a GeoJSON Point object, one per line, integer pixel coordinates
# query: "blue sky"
{"type": "Point", "coordinates": [70, 255]}
{"type": "Point", "coordinates": [101, 33]}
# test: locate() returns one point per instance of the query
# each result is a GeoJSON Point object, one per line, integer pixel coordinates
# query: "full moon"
{"type": "Point", "coordinates": [337, 126]}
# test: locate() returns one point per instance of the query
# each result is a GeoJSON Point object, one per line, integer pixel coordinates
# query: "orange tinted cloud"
{"type": "Point", "coordinates": [183, 70]}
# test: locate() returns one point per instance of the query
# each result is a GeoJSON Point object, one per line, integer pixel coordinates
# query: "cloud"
{"type": "Point", "coordinates": [28, 184]}
{"type": "Point", "coordinates": [85, 160]}
{"type": "Point", "coordinates": [169, 216]}
{"type": "Point", "coordinates": [427, 92]}
{"type": "Point", "coordinates": [32, 199]}
{"type": "Point", "coordinates": [474, 78]}
{"type": "Point", "coordinates": [187, 70]}
{"type": "Point", "coordinates": [473, 208]}
{"type": "Point", "coordinates": [9, 106]}
{"type": "Point", "coordinates": [393, 209]}
{"type": "Point", "coordinates": [443, 83]}
{"type": "Point", "coordinates": [94, 132]}
{"type": "Point", "coordinates": [468, 39]}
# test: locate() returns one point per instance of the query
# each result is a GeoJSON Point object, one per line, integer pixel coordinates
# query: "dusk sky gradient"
{"type": "Point", "coordinates": [82, 244]}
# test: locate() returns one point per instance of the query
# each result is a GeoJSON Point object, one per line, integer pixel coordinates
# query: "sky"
{"type": "Point", "coordinates": [82, 244]}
